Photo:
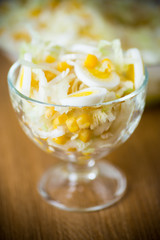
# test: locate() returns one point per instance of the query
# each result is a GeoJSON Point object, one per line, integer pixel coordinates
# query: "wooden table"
{"type": "Point", "coordinates": [24, 215]}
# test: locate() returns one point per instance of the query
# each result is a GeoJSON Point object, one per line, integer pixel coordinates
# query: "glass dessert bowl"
{"type": "Point", "coordinates": [81, 130]}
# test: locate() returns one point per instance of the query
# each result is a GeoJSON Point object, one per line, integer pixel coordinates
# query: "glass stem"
{"type": "Point", "coordinates": [85, 171]}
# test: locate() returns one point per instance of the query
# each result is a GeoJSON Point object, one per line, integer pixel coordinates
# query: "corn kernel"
{"type": "Point", "coordinates": [91, 61]}
{"type": "Point", "coordinates": [53, 3]}
{"type": "Point", "coordinates": [49, 75]}
{"type": "Point", "coordinates": [61, 140]}
{"type": "Point", "coordinates": [42, 25]}
{"type": "Point", "coordinates": [59, 120]}
{"type": "Point", "coordinates": [49, 112]}
{"type": "Point", "coordinates": [34, 82]}
{"type": "Point", "coordinates": [22, 36]}
{"type": "Point", "coordinates": [71, 113]}
{"type": "Point", "coordinates": [56, 122]}
{"type": "Point", "coordinates": [84, 121]}
{"type": "Point", "coordinates": [62, 66]}
{"type": "Point", "coordinates": [85, 135]}
{"type": "Point", "coordinates": [86, 153]}
{"type": "Point", "coordinates": [72, 124]}
{"type": "Point", "coordinates": [71, 149]}
{"type": "Point", "coordinates": [35, 12]}
{"type": "Point", "coordinates": [50, 59]}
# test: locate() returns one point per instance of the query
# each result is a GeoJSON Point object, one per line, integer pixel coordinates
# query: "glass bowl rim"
{"type": "Point", "coordinates": [122, 99]}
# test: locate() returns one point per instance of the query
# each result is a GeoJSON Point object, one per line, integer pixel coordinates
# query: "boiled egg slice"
{"type": "Point", "coordinates": [25, 77]}
{"type": "Point", "coordinates": [90, 79]}
{"type": "Point", "coordinates": [135, 70]}
{"type": "Point", "coordinates": [85, 97]}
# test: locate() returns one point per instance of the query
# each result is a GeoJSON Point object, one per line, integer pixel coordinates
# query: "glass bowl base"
{"type": "Point", "coordinates": [84, 190]}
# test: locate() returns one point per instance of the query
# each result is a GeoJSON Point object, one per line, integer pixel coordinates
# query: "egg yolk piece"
{"type": "Point", "coordinates": [89, 96]}
{"type": "Point", "coordinates": [98, 74]}
{"type": "Point", "coordinates": [82, 94]}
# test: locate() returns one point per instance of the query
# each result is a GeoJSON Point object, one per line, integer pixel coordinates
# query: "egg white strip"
{"type": "Point", "coordinates": [48, 67]}
{"type": "Point", "coordinates": [118, 53]}
{"type": "Point", "coordinates": [51, 134]}
{"type": "Point", "coordinates": [26, 84]}
{"type": "Point", "coordinates": [58, 78]}
{"type": "Point", "coordinates": [18, 80]}
{"type": "Point", "coordinates": [71, 57]}
{"type": "Point", "coordinates": [84, 48]}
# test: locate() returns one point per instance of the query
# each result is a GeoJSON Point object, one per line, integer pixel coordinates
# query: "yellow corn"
{"type": "Point", "coordinates": [72, 124]}
{"type": "Point", "coordinates": [59, 120]}
{"type": "Point", "coordinates": [49, 150]}
{"type": "Point", "coordinates": [61, 140]}
{"type": "Point", "coordinates": [49, 112]}
{"type": "Point", "coordinates": [85, 135]}
{"type": "Point", "coordinates": [91, 61]}
{"type": "Point", "coordinates": [42, 25]}
{"type": "Point", "coordinates": [50, 59]}
{"type": "Point", "coordinates": [22, 36]}
{"type": "Point", "coordinates": [86, 154]}
{"type": "Point", "coordinates": [49, 75]}
{"type": "Point", "coordinates": [62, 66]}
{"type": "Point", "coordinates": [71, 113]}
{"type": "Point", "coordinates": [35, 12]}
{"type": "Point", "coordinates": [71, 149]}
{"type": "Point", "coordinates": [84, 121]}
{"type": "Point", "coordinates": [34, 82]}
{"type": "Point", "coordinates": [53, 3]}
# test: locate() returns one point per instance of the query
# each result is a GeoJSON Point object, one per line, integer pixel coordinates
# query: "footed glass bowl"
{"type": "Point", "coordinates": [80, 136]}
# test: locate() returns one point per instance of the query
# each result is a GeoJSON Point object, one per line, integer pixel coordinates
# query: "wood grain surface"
{"type": "Point", "coordinates": [23, 213]}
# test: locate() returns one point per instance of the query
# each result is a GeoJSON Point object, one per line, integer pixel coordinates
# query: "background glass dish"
{"type": "Point", "coordinates": [82, 182]}
{"type": "Point", "coordinates": [135, 22]}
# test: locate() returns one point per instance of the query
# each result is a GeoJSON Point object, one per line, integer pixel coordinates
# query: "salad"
{"type": "Point", "coordinates": [66, 89]}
